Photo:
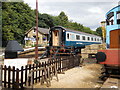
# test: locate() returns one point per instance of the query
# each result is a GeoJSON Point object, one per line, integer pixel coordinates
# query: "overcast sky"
{"type": "Point", "coordinates": [87, 12]}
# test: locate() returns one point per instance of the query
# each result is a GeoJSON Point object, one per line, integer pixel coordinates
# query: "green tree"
{"type": "Point", "coordinates": [63, 18]}
{"type": "Point", "coordinates": [17, 17]}
{"type": "Point", "coordinates": [99, 31]}
{"type": "Point", "coordinates": [45, 21]}
{"type": "Point", "coordinates": [56, 21]}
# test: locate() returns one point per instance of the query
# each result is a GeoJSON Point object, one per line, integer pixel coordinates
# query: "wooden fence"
{"type": "Point", "coordinates": [17, 78]}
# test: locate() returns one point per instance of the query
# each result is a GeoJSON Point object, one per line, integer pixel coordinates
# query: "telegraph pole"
{"type": "Point", "coordinates": [36, 46]}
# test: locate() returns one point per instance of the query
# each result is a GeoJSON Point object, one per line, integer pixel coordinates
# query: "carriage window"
{"type": "Point", "coordinates": [98, 39]}
{"type": "Point", "coordinates": [91, 39]}
{"type": "Point", "coordinates": [77, 37]}
{"type": "Point", "coordinates": [83, 37]}
{"type": "Point", "coordinates": [68, 36]}
{"type": "Point", "coordinates": [118, 17]}
{"type": "Point", "coordinates": [95, 39]}
{"type": "Point", "coordinates": [110, 18]}
{"type": "Point", "coordinates": [88, 38]}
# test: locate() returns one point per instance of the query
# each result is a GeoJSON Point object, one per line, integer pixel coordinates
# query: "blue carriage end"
{"type": "Point", "coordinates": [112, 22]}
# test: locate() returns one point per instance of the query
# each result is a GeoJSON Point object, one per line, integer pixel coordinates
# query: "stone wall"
{"type": "Point", "coordinates": [92, 49]}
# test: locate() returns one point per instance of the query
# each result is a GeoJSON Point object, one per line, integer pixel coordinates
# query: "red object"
{"type": "Point", "coordinates": [112, 57]}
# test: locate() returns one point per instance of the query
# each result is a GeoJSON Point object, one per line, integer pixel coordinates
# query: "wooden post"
{"type": "Point", "coordinates": [9, 69]}
{"type": "Point", "coordinates": [60, 66]}
{"type": "Point", "coordinates": [26, 74]}
{"type": "Point", "coordinates": [33, 74]}
{"type": "Point", "coordinates": [5, 68]}
{"type": "Point", "coordinates": [36, 47]}
{"type": "Point", "coordinates": [39, 71]}
{"type": "Point", "coordinates": [13, 77]}
{"type": "Point", "coordinates": [42, 81]}
{"type": "Point", "coordinates": [36, 73]}
{"type": "Point", "coordinates": [1, 76]}
{"type": "Point", "coordinates": [50, 69]}
{"type": "Point", "coordinates": [29, 77]}
{"type": "Point", "coordinates": [22, 77]}
{"type": "Point", "coordinates": [17, 78]}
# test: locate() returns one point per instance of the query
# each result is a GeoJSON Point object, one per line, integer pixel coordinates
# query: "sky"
{"type": "Point", "coordinates": [86, 12]}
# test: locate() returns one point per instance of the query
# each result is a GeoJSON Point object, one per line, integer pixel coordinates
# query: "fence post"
{"type": "Point", "coordinates": [1, 77]}
{"type": "Point", "coordinates": [22, 77]}
{"type": "Point", "coordinates": [39, 71]}
{"type": "Point", "coordinates": [50, 68]}
{"type": "Point", "coordinates": [9, 69]}
{"type": "Point", "coordinates": [17, 78]}
{"type": "Point", "coordinates": [46, 68]}
{"type": "Point", "coordinates": [5, 68]}
{"type": "Point", "coordinates": [36, 73]}
{"type": "Point", "coordinates": [33, 74]}
{"type": "Point", "coordinates": [42, 72]}
{"type": "Point", "coordinates": [13, 77]}
{"type": "Point", "coordinates": [29, 77]}
{"type": "Point", "coordinates": [60, 65]}
{"type": "Point", "coordinates": [26, 74]}
{"type": "Point", "coordinates": [56, 63]}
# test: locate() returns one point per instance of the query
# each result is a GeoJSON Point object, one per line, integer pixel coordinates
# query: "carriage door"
{"type": "Point", "coordinates": [55, 40]}
{"type": "Point", "coordinates": [115, 39]}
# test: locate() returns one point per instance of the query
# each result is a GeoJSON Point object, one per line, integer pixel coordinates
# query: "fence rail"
{"type": "Point", "coordinates": [17, 78]}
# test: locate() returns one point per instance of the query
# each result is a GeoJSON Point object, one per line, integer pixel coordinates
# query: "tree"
{"type": "Point", "coordinates": [17, 17]}
{"type": "Point", "coordinates": [56, 21]}
{"type": "Point", "coordinates": [45, 21]}
{"type": "Point", "coordinates": [63, 18]}
{"type": "Point", "coordinates": [99, 31]}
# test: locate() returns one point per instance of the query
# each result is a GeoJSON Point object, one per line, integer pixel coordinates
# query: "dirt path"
{"type": "Point", "coordinates": [78, 77]}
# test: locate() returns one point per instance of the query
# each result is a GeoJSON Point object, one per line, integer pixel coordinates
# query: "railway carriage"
{"type": "Point", "coordinates": [59, 36]}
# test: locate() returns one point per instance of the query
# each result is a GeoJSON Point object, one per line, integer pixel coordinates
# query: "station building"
{"type": "Point", "coordinates": [30, 37]}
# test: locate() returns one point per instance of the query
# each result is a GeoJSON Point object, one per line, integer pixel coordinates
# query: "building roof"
{"type": "Point", "coordinates": [13, 46]}
{"type": "Point", "coordinates": [41, 30]}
